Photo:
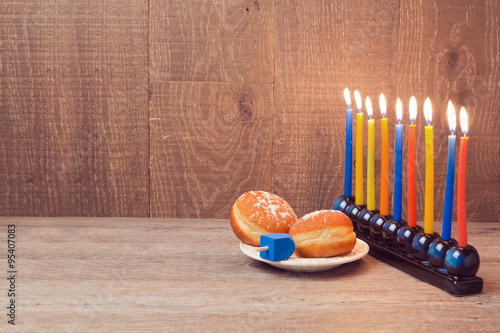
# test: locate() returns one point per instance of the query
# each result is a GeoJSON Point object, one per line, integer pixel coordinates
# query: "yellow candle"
{"type": "Point", "coordinates": [359, 151]}
{"type": "Point", "coordinates": [384, 161]}
{"type": "Point", "coordinates": [429, 170]}
{"type": "Point", "coordinates": [370, 177]}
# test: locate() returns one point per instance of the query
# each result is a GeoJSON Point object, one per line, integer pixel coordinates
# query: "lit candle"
{"type": "Point", "coordinates": [348, 146]}
{"type": "Point", "coordinates": [370, 173]}
{"type": "Point", "coordinates": [429, 170]}
{"type": "Point", "coordinates": [450, 174]}
{"type": "Point", "coordinates": [359, 150]}
{"type": "Point", "coordinates": [412, 192]}
{"type": "Point", "coordinates": [462, 160]}
{"type": "Point", "coordinates": [384, 164]}
{"type": "Point", "coordinates": [398, 171]}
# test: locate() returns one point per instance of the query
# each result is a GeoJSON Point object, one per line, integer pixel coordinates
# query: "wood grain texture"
{"type": "Point", "coordinates": [73, 108]}
{"type": "Point", "coordinates": [222, 41]}
{"type": "Point", "coordinates": [321, 48]}
{"type": "Point", "coordinates": [243, 95]}
{"type": "Point", "coordinates": [211, 137]}
{"type": "Point", "coordinates": [449, 51]}
{"type": "Point", "coordinates": [189, 275]}
{"type": "Point", "coordinates": [210, 142]}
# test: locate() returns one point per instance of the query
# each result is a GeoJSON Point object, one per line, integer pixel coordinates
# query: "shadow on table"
{"type": "Point", "coordinates": [342, 271]}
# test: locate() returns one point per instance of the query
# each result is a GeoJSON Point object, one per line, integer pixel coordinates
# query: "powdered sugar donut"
{"type": "Point", "coordinates": [258, 213]}
{"type": "Point", "coordinates": [324, 233]}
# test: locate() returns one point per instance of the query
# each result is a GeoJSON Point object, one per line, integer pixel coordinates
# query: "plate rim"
{"type": "Point", "coordinates": [311, 263]}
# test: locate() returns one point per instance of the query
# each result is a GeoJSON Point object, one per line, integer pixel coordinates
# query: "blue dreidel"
{"type": "Point", "coordinates": [276, 247]}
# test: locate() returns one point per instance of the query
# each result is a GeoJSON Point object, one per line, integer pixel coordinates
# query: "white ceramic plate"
{"type": "Point", "coordinates": [310, 264]}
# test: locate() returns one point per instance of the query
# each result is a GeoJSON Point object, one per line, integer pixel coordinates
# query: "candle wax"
{"type": "Point", "coordinates": [348, 155]}
{"type": "Point", "coordinates": [398, 173]}
{"type": "Point", "coordinates": [450, 183]}
{"type": "Point", "coordinates": [412, 192]}
{"type": "Point", "coordinates": [370, 177]}
{"type": "Point", "coordinates": [429, 181]}
{"type": "Point", "coordinates": [461, 216]}
{"type": "Point", "coordinates": [384, 167]}
{"type": "Point", "coordinates": [359, 159]}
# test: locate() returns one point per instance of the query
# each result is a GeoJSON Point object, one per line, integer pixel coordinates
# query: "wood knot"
{"type": "Point", "coordinates": [244, 107]}
{"type": "Point", "coordinates": [452, 63]}
{"type": "Point", "coordinates": [452, 60]}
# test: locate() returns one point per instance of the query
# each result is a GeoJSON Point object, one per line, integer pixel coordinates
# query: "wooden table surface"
{"type": "Point", "coordinates": [102, 274]}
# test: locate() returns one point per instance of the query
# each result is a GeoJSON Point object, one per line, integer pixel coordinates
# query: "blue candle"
{"type": "Point", "coordinates": [348, 146]}
{"type": "Point", "coordinates": [450, 174]}
{"type": "Point", "coordinates": [398, 170]}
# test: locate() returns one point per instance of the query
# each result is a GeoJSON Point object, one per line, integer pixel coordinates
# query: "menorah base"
{"type": "Point", "coordinates": [452, 284]}
{"type": "Point", "coordinates": [456, 277]}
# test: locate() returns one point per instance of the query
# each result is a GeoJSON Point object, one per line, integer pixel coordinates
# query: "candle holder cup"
{"type": "Point", "coordinates": [390, 232]}
{"type": "Point", "coordinates": [352, 211]}
{"type": "Point", "coordinates": [437, 251]}
{"type": "Point", "coordinates": [420, 245]}
{"type": "Point", "coordinates": [457, 273]}
{"type": "Point", "coordinates": [404, 239]}
{"type": "Point", "coordinates": [364, 218]}
{"type": "Point", "coordinates": [342, 202]}
{"type": "Point", "coordinates": [376, 226]}
{"type": "Point", "coordinates": [462, 261]}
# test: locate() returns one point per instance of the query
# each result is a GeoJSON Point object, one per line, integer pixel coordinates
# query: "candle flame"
{"type": "Point", "coordinates": [399, 111]}
{"type": "Point", "coordinates": [359, 104]}
{"type": "Point", "coordinates": [428, 111]}
{"type": "Point", "coordinates": [383, 107]}
{"type": "Point", "coordinates": [452, 118]}
{"type": "Point", "coordinates": [347, 97]}
{"type": "Point", "coordinates": [369, 109]}
{"type": "Point", "coordinates": [464, 121]}
{"type": "Point", "coordinates": [413, 110]}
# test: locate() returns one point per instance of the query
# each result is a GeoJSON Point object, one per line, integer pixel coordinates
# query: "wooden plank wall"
{"type": "Point", "coordinates": [74, 108]}
{"type": "Point", "coordinates": [175, 108]}
{"type": "Point", "coordinates": [212, 67]}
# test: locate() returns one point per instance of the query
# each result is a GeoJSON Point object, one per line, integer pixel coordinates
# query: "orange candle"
{"type": "Point", "coordinates": [384, 163]}
{"type": "Point", "coordinates": [412, 192]}
{"type": "Point", "coordinates": [462, 160]}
